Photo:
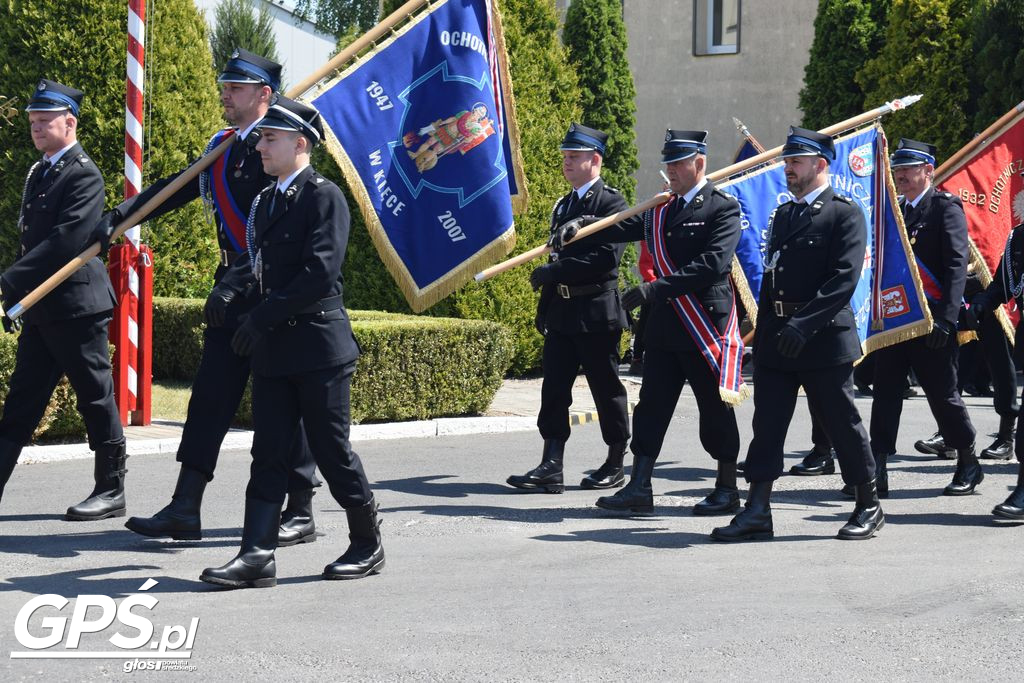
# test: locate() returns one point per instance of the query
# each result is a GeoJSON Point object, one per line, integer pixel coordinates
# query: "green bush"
{"type": "Point", "coordinates": [411, 367]}
{"type": "Point", "coordinates": [846, 34]}
{"type": "Point", "coordinates": [997, 81]}
{"type": "Point", "coordinates": [926, 51]}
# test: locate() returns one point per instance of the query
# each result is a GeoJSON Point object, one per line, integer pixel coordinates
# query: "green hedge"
{"type": "Point", "coordinates": [411, 367]}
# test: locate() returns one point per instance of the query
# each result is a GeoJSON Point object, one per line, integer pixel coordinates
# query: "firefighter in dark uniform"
{"type": "Point", "coordinates": [228, 188]}
{"type": "Point", "coordinates": [996, 352]}
{"type": "Point", "coordinates": [582, 320]}
{"type": "Point", "coordinates": [66, 332]}
{"type": "Point", "coordinates": [937, 229]}
{"type": "Point", "coordinates": [692, 239]}
{"type": "Point", "coordinates": [1007, 284]}
{"type": "Point", "coordinates": [303, 351]}
{"type": "Point", "coordinates": [807, 336]}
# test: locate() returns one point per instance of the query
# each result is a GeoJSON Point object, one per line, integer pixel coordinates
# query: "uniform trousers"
{"type": "Point", "coordinates": [665, 373]}
{"type": "Point", "coordinates": [77, 348]}
{"type": "Point", "coordinates": [998, 354]}
{"type": "Point", "coordinates": [216, 392]}
{"type": "Point", "coordinates": [830, 391]}
{"type": "Point", "coordinates": [936, 374]}
{"type": "Point", "coordinates": [598, 354]}
{"type": "Point", "coordinates": [818, 436]}
{"type": "Point", "coordinates": [320, 400]}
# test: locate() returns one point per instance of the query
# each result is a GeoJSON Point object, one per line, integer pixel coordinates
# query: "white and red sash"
{"type": "Point", "coordinates": [723, 352]}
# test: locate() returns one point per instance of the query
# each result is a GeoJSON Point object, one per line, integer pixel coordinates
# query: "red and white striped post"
{"type": "Point", "coordinates": [132, 366]}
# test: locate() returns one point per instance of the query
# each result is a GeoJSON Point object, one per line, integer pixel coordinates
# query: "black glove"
{"type": "Point", "coordinates": [538, 322]}
{"type": "Point", "coordinates": [637, 296]}
{"type": "Point", "coordinates": [542, 275]}
{"type": "Point", "coordinates": [104, 230]}
{"type": "Point", "coordinates": [939, 336]}
{"type": "Point", "coordinates": [980, 306]}
{"type": "Point", "coordinates": [11, 326]}
{"type": "Point", "coordinates": [566, 231]}
{"type": "Point", "coordinates": [790, 342]}
{"type": "Point", "coordinates": [246, 337]}
{"type": "Point", "coordinates": [216, 309]}
{"type": "Point", "coordinates": [7, 299]}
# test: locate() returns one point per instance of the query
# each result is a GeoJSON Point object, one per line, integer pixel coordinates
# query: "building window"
{"type": "Point", "coordinates": [716, 27]}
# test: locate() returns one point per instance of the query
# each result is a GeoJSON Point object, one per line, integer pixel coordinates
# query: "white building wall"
{"type": "Point", "coordinates": [301, 47]}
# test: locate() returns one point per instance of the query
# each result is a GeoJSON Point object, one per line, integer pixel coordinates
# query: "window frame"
{"type": "Point", "coordinates": [706, 35]}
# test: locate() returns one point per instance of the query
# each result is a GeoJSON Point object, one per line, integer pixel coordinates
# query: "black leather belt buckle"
{"type": "Point", "coordinates": [563, 291]}
{"type": "Point", "coordinates": [224, 261]}
{"type": "Point", "coordinates": [780, 310]}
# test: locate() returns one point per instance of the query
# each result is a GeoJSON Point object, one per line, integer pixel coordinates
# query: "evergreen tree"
{"type": "Point", "coordinates": [82, 43]}
{"type": "Point", "coordinates": [340, 17]}
{"type": "Point", "coordinates": [237, 24]}
{"type": "Point", "coordinates": [595, 36]}
{"type": "Point", "coordinates": [926, 51]}
{"type": "Point", "coordinates": [847, 33]}
{"type": "Point", "coordinates": [997, 82]}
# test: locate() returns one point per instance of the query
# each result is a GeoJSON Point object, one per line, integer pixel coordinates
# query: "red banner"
{"type": "Point", "coordinates": [988, 181]}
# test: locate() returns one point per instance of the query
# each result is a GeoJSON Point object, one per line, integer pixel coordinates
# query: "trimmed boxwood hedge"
{"type": "Point", "coordinates": [411, 367]}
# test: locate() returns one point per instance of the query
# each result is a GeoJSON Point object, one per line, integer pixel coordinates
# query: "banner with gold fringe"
{"type": "Point", "coordinates": [889, 303]}
{"type": "Point", "coordinates": [423, 127]}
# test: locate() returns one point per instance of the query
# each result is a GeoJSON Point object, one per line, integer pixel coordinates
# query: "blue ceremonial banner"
{"type": "Point", "coordinates": [424, 130]}
{"type": "Point", "coordinates": [889, 303]}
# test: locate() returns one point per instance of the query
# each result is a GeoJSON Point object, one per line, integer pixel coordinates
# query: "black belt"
{"type": "Point", "coordinates": [228, 257]}
{"type": "Point", "coordinates": [567, 292]}
{"type": "Point", "coordinates": [331, 303]}
{"type": "Point", "coordinates": [786, 310]}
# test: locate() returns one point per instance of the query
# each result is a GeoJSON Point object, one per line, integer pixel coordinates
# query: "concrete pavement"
{"type": "Point", "coordinates": [487, 583]}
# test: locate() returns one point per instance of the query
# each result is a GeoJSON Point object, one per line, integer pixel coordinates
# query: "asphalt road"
{"type": "Point", "coordinates": [487, 583]}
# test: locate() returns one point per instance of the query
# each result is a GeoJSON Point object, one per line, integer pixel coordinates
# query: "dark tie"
{"type": "Point", "coordinates": [570, 205]}
{"type": "Point", "coordinates": [41, 173]}
{"type": "Point", "coordinates": [277, 202]}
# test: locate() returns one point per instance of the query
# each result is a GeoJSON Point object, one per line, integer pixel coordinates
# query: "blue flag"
{"type": "Point", "coordinates": [889, 303]}
{"type": "Point", "coordinates": [745, 151]}
{"type": "Point", "coordinates": [423, 128]}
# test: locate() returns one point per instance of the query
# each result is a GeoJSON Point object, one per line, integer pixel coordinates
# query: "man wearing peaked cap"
{"type": "Point", "coordinates": [248, 87]}
{"type": "Point", "coordinates": [692, 239]}
{"type": "Point", "coordinates": [807, 336]}
{"type": "Point", "coordinates": [303, 351]}
{"type": "Point", "coordinates": [66, 332]}
{"type": "Point", "coordinates": [937, 229]}
{"type": "Point", "coordinates": [582, 321]}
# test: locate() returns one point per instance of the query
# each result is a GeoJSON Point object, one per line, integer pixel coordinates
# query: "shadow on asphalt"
{"type": "Point", "coordinates": [431, 486]}
{"type": "Point", "coordinates": [119, 540]}
{"type": "Point", "coordinates": [96, 581]}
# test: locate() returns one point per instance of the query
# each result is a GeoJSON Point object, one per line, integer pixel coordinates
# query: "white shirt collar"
{"type": "Point", "coordinates": [688, 197]}
{"type": "Point", "coordinates": [583, 190]}
{"type": "Point", "coordinates": [243, 134]}
{"type": "Point", "coordinates": [283, 185]}
{"type": "Point", "coordinates": [919, 197]}
{"type": "Point", "coordinates": [56, 157]}
{"type": "Point", "coordinates": [812, 195]}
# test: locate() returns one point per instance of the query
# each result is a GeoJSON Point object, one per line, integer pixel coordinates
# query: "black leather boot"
{"type": "Point", "coordinates": [253, 566]}
{"type": "Point", "coordinates": [1013, 507]}
{"type": "Point", "coordinates": [1002, 447]}
{"type": "Point", "coordinates": [365, 554]}
{"type": "Point", "coordinates": [610, 474]}
{"type": "Point", "coordinates": [9, 452]}
{"type": "Point", "coordinates": [754, 523]}
{"type": "Point", "coordinates": [107, 497]}
{"type": "Point", "coordinates": [816, 462]}
{"type": "Point", "coordinates": [180, 518]}
{"type": "Point", "coordinates": [867, 517]}
{"type": "Point", "coordinates": [297, 524]}
{"type": "Point", "coordinates": [547, 476]}
{"type": "Point", "coordinates": [637, 495]}
{"type": "Point", "coordinates": [881, 475]}
{"type": "Point", "coordinates": [935, 445]}
{"type": "Point", "coordinates": [726, 496]}
{"type": "Point", "coordinates": [968, 473]}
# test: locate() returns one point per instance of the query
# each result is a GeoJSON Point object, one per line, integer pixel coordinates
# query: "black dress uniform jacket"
{"type": "Point", "coordinates": [58, 213]}
{"type": "Point", "coordinates": [589, 261]}
{"type": "Point", "coordinates": [245, 180]}
{"type": "Point", "coordinates": [937, 228]}
{"type": "Point", "coordinates": [701, 239]}
{"type": "Point", "coordinates": [999, 290]}
{"type": "Point", "coordinates": [821, 254]}
{"type": "Point", "coordinates": [302, 247]}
